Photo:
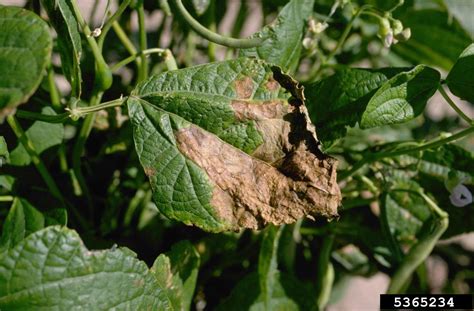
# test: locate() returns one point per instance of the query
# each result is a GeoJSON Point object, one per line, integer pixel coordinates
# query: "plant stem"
{"type": "Point", "coordinates": [111, 21]}
{"type": "Point", "coordinates": [6, 198]}
{"type": "Point", "coordinates": [103, 74]}
{"type": "Point", "coordinates": [325, 273]}
{"type": "Point", "coordinates": [35, 158]}
{"type": "Point", "coordinates": [454, 106]}
{"type": "Point", "coordinates": [168, 58]}
{"type": "Point", "coordinates": [124, 38]}
{"type": "Point", "coordinates": [370, 158]}
{"type": "Point", "coordinates": [74, 113]}
{"type": "Point", "coordinates": [53, 90]}
{"type": "Point", "coordinates": [78, 151]}
{"type": "Point", "coordinates": [215, 37]}
{"type": "Point", "coordinates": [143, 68]}
{"type": "Point", "coordinates": [420, 251]}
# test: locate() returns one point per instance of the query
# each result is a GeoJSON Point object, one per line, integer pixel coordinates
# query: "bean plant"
{"type": "Point", "coordinates": [155, 155]}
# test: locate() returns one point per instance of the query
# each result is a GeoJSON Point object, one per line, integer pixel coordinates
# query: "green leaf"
{"type": "Point", "coordinates": [460, 79]}
{"type": "Point", "coordinates": [44, 135]}
{"type": "Point", "coordinates": [267, 264]}
{"type": "Point", "coordinates": [402, 98]}
{"type": "Point", "coordinates": [405, 212]}
{"type": "Point", "coordinates": [288, 294]}
{"type": "Point", "coordinates": [52, 269]}
{"type": "Point", "coordinates": [435, 39]}
{"type": "Point", "coordinates": [22, 220]}
{"type": "Point", "coordinates": [462, 10]}
{"type": "Point", "coordinates": [69, 40]}
{"type": "Point", "coordinates": [224, 149]}
{"type": "Point", "coordinates": [4, 154]}
{"type": "Point", "coordinates": [341, 99]}
{"type": "Point", "coordinates": [25, 51]}
{"type": "Point", "coordinates": [285, 36]}
{"type": "Point", "coordinates": [276, 291]}
{"type": "Point", "coordinates": [177, 272]}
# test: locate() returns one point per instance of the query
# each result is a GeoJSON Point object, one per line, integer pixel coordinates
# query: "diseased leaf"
{"type": "Point", "coordinates": [460, 79]}
{"type": "Point", "coordinates": [22, 220]}
{"type": "Point", "coordinates": [52, 269]}
{"type": "Point", "coordinates": [402, 98]}
{"type": "Point", "coordinates": [25, 51]}
{"type": "Point", "coordinates": [224, 150]}
{"type": "Point", "coordinates": [340, 100]}
{"type": "Point", "coordinates": [69, 40]}
{"type": "Point", "coordinates": [285, 36]}
{"type": "Point", "coordinates": [435, 39]}
{"type": "Point", "coordinates": [44, 135]}
{"type": "Point", "coordinates": [177, 272]}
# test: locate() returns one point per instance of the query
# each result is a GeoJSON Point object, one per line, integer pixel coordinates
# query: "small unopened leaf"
{"type": "Point", "coordinates": [224, 149]}
{"type": "Point", "coordinates": [43, 135]}
{"type": "Point", "coordinates": [284, 36]}
{"type": "Point", "coordinates": [52, 269]}
{"type": "Point", "coordinates": [402, 98]}
{"type": "Point", "coordinates": [177, 272]}
{"type": "Point", "coordinates": [25, 51]}
{"type": "Point", "coordinates": [69, 40]}
{"type": "Point", "coordinates": [461, 78]}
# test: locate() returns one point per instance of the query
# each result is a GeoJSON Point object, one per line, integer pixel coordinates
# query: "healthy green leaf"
{"type": "Point", "coordinates": [25, 51]}
{"type": "Point", "coordinates": [52, 269]}
{"type": "Point", "coordinates": [402, 98]}
{"type": "Point", "coordinates": [4, 154]}
{"type": "Point", "coordinates": [224, 150]}
{"type": "Point", "coordinates": [44, 135]}
{"type": "Point", "coordinates": [460, 79]}
{"type": "Point", "coordinates": [435, 39]}
{"type": "Point", "coordinates": [69, 40]}
{"type": "Point", "coordinates": [22, 220]}
{"type": "Point", "coordinates": [177, 272]}
{"type": "Point", "coordinates": [340, 100]}
{"type": "Point", "coordinates": [462, 10]}
{"type": "Point", "coordinates": [285, 36]}
{"type": "Point", "coordinates": [267, 264]}
{"type": "Point", "coordinates": [405, 211]}
{"type": "Point", "coordinates": [276, 291]}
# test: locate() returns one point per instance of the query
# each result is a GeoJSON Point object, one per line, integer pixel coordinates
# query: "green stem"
{"type": "Point", "coordinates": [111, 21]}
{"type": "Point", "coordinates": [370, 158]}
{"type": "Point", "coordinates": [35, 158]}
{"type": "Point", "coordinates": [211, 48]}
{"type": "Point", "coordinates": [420, 251]}
{"type": "Point", "coordinates": [143, 68]}
{"type": "Point", "coordinates": [6, 198]}
{"type": "Point", "coordinates": [78, 151]}
{"type": "Point", "coordinates": [53, 90]}
{"type": "Point", "coordinates": [454, 106]}
{"type": "Point", "coordinates": [129, 46]}
{"type": "Point", "coordinates": [344, 35]}
{"type": "Point", "coordinates": [167, 55]}
{"type": "Point", "coordinates": [325, 273]}
{"type": "Point", "coordinates": [75, 113]}
{"type": "Point", "coordinates": [215, 37]}
{"type": "Point", "coordinates": [103, 74]}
